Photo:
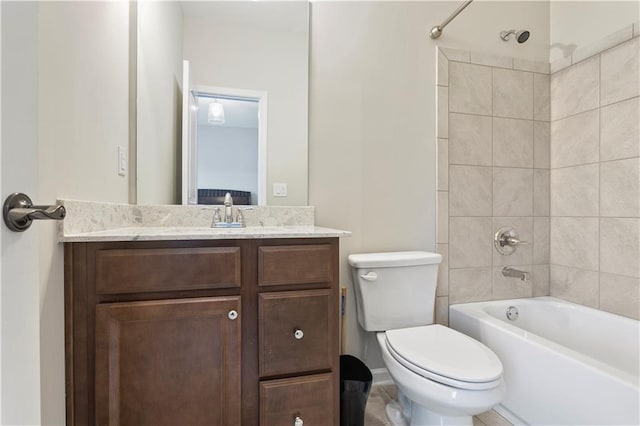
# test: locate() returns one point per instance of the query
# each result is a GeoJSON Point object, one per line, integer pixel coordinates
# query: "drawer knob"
{"type": "Point", "coordinates": [298, 421]}
{"type": "Point", "coordinates": [233, 315]}
{"type": "Point", "coordinates": [298, 334]}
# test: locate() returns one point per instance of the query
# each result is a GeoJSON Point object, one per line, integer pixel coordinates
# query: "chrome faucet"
{"type": "Point", "coordinates": [228, 208]}
{"type": "Point", "coordinates": [515, 273]}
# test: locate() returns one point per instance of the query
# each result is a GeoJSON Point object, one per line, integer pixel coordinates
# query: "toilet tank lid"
{"type": "Point", "coordinates": [393, 259]}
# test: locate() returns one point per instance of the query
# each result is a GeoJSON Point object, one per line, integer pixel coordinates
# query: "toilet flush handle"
{"type": "Point", "coordinates": [369, 276]}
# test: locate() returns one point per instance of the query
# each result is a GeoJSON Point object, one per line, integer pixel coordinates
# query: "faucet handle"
{"type": "Point", "coordinates": [506, 241]}
{"type": "Point", "coordinates": [240, 216]}
{"type": "Point", "coordinates": [513, 241]}
{"type": "Point", "coordinates": [216, 216]}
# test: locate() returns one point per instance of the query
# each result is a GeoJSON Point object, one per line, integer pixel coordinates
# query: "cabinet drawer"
{"type": "Point", "coordinates": [166, 269]}
{"type": "Point", "coordinates": [281, 314]}
{"type": "Point", "coordinates": [309, 398]}
{"type": "Point", "coordinates": [301, 264]}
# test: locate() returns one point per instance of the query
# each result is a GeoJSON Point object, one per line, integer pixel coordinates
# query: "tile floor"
{"type": "Point", "coordinates": [381, 394]}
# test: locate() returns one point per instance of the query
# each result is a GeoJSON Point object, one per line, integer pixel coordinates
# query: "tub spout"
{"type": "Point", "coordinates": [515, 273]}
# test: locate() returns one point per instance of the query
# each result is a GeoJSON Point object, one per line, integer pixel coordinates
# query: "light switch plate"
{"type": "Point", "coordinates": [279, 189]}
{"type": "Point", "coordinates": [122, 161]}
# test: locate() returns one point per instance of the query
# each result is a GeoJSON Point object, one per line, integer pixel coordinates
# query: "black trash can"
{"type": "Point", "coordinates": [355, 384]}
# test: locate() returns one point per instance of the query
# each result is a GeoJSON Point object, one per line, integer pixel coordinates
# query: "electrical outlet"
{"type": "Point", "coordinates": [122, 161]}
{"type": "Point", "coordinates": [279, 189]}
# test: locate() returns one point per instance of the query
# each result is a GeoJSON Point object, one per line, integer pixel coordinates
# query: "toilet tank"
{"type": "Point", "coordinates": [395, 290]}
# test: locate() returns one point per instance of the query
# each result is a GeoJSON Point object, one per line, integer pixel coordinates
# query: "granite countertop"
{"type": "Point", "coordinates": [202, 233]}
{"type": "Point", "coordinates": [89, 221]}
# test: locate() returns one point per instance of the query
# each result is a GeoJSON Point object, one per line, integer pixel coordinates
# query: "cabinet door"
{"type": "Point", "coordinates": [168, 362]}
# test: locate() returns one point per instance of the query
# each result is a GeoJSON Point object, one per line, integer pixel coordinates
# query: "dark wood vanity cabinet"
{"type": "Point", "coordinates": [215, 332]}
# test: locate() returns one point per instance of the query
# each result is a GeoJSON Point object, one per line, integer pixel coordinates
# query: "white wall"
{"type": "Point", "coordinates": [228, 159]}
{"type": "Point", "coordinates": [82, 112]}
{"type": "Point", "coordinates": [260, 46]}
{"type": "Point", "coordinates": [372, 133]}
{"type": "Point", "coordinates": [20, 329]}
{"type": "Point", "coordinates": [159, 102]}
{"type": "Point", "coordinates": [580, 23]}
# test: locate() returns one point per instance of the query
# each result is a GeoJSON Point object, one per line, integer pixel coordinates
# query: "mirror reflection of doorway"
{"type": "Point", "coordinates": [227, 139]}
{"type": "Point", "coordinates": [224, 145]}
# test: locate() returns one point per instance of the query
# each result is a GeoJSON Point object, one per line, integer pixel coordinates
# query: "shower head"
{"type": "Point", "coordinates": [521, 36]}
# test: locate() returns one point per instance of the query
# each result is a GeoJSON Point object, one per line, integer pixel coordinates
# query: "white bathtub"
{"type": "Point", "coordinates": [564, 364]}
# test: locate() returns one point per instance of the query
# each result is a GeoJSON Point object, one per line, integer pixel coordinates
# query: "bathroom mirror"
{"type": "Point", "coordinates": [257, 47]}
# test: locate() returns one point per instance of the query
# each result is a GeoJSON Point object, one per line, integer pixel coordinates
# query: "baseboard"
{"type": "Point", "coordinates": [512, 418]}
{"type": "Point", "coordinates": [381, 376]}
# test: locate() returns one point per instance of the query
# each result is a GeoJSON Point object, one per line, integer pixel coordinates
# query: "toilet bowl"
{"type": "Point", "coordinates": [443, 376]}
{"type": "Point", "coordinates": [440, 393]}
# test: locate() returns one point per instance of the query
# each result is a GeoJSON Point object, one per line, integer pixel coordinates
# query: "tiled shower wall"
{"type": "Point", "coordinates": [558, 158]}
{"type": "Point", "coordinates": [595, 178]}
{"type": "Point", "coordinates": [493, 171]}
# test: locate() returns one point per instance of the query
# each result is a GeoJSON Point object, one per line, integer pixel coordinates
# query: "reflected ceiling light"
{"type": "Point", "coordinates": [216, 113]}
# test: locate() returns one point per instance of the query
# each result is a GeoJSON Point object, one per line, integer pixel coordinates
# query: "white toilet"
{"type": "Point", "coordinates": [443, 377]}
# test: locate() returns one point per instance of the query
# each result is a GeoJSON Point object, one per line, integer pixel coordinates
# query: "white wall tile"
{"type": "Point", "coordinates": [512, 94]}
{"type": "Point", "coordinates": [512, 142]}
{"type": "Point", "coordinates": [620, 246]}
{"type": "Point", "coordinates": [470, 88]}
{"type": "Point", "coordinates": [471, 243]}
{"type": "Point", "coordinates": [574, 191]}
{"type": "Point", "coordinates": [541, 197]}
{"type": "Point", "coordinates": [541, 145]}
{"type": "Point", "coordinates": [575, 242]}
{"type": "Point", "coordinates": [443, 112]}
{"type": "Point", "coordinates": [620, 295]}
{"type": "Point", "coordinates": [470, 285]}
{"type": "Point", "coordinates": [540, 280]}
{"type": "Point", "coordinates": [470, 191]}
{"type": "Point", "coordinates": [443, 69]}
{"type": "Point", "coordinates": [575, 285]}
{"type": "Point", "coordinates": [512, 192]}
{"type": "Point", "coordinates": [541, 243]}
{"type": "Point", "coordinates": [620, 130]}
{"type": "Point", "coordinates": [510, 287]}
{"type": "Point", "coordinates": [470, 139]}
{"type": "Point", "coordinates": [620, 70]}
{"type": "Point", "coordinates": [443, 217]}
{"type": "Point", "coordinates": [620, 188]}
{"type": "Point", "coordinates": [541, 97]}
{"type": "Point", "coordinates": [443, 164]}
{"type": "Point", "coordinates": [455, 54]}
{"type": "Point", "coordinates": [575, 89]}
{"type": "Point", "coordinates": [575, 140]}
{"type": "Point", "coordinates": [443, 270]}
{"type": "Point", "coordinates": [442, 310]}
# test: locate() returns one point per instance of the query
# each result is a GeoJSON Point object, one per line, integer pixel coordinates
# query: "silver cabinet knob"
{"type": "Point", "coordinates": [232, 315]}
{"type": "Point", "coordinates": [298, 421]}
{"type": "Point", "coordinates": [298, 334]}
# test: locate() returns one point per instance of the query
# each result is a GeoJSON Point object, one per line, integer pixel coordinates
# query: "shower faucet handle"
{"type": "Point", "coordinates": [506, 241]}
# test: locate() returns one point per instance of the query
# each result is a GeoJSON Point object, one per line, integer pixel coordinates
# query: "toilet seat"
{"type": "Point", "coordinates": [445, 356]}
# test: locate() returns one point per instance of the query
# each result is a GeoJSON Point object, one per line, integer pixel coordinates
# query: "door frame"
{"type": "Point", "coordinates": [191, 166]}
